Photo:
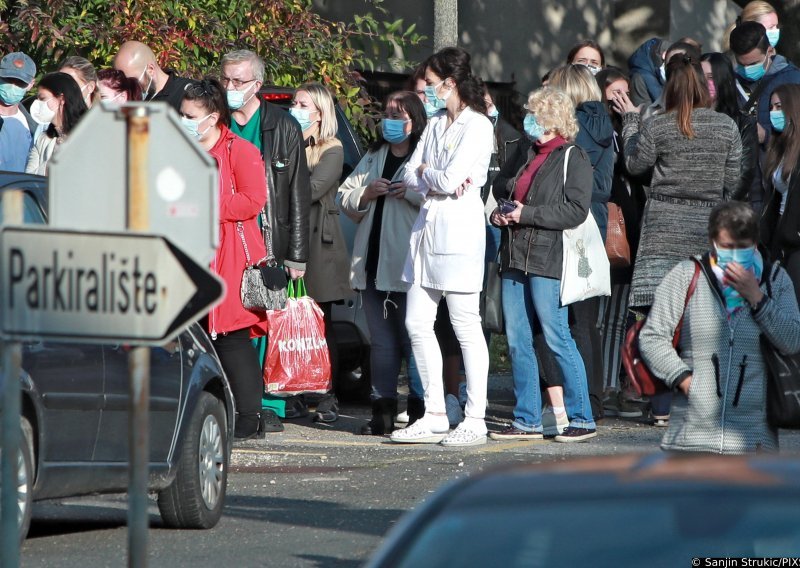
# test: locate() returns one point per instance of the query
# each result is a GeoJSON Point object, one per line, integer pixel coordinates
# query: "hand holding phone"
{"type": "Point", "coordinates": [506, 206]}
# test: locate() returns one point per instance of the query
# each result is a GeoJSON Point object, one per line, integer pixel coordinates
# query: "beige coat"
{"type": "Point", "coordinates": [398, 219]}
{"type": "Point", "coordinates": [40, 154]}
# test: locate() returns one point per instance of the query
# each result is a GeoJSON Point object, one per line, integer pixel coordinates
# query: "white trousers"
{"type": "Point", "coordinates": [421, 306]}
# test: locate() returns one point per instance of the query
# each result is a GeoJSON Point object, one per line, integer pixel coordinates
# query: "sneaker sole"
{"type": "Point", "coordinates": [568, 439]}
{"type": "Point", "coordinates": [476, 442]}
{"type": "Point", "coordinates": [432, 439]}
{"type": "Point", "coordinates": [630, 413]}
{"type": "Point", "coordinates": [499, 436]}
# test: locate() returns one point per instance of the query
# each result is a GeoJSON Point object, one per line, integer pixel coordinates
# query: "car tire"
{"type": "Point", "coordinates": [25, 476]}
{"type": "Point", "coordinates": [196, 496]}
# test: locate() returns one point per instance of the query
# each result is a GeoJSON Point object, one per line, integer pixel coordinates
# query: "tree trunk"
{"type": "Point", "coordinates": [445, 24]}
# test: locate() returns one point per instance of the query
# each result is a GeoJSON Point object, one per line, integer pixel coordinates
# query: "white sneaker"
{"type": "Point", "coordinates": [420, 432]}
{"type": "Point", "coordinates": [454, 413]}
{"type": "Point", "coordinates": [464, 436]}
{"type": "Point", "coordinates": [402, 418]}
{"type": "Point", "coordinates": [552, 426]}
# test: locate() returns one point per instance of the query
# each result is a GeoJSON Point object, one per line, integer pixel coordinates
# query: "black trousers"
{"type": "Point", "coordinates": [239, 360]}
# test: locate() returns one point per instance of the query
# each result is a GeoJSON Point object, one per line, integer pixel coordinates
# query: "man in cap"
{"type": "Point", "coordinates": [138, 61]}
{"type": "Point", "coordinates": [17, 128]}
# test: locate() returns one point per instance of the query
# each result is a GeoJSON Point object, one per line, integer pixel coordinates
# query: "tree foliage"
{"type": "Point", "coordinates": [297, 45]}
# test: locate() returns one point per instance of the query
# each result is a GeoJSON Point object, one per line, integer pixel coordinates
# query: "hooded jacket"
{"type": "Point", "coordinates": [781, 72]}
{"type": "Point", "coordinates": [644, 67]}
{"type": "Point", "coordinates": [596, 137]}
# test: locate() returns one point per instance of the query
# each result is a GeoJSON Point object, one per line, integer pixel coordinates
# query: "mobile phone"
{"type": "Point", "coordinates": [394, 186]}
{"type": "Point", "coordinates": [506, 206]}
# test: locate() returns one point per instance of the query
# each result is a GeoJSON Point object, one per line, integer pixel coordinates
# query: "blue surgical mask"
{"type": "Point", "coordinates": [494, 113]}
{"type": "Point", "coordinates": [394, 130]}
{"type": "Point", "coordinates": [430, 110]}
{"type": "Point", "coordinates": [532, 127]}
{"type": "Point", "coordinates": [193, 126]}
{"type": "Point", "coordinates": [302, 116]}
{"type": "Point", "coordinates": [236, 98]}
{"type": "Point", "coordinates": [752, 72]}
{"type": "Point", "coordinates": [773, 36]}
{"type": "Point", "coordinates": [778, 120]}
{"type": "Point", "coordinates": [437, 102]}
{"type": "Point", "coordinates": [662, 72]}
{"type": "Point", "coordinates": [11, 94]}
{"type": "Point", "coordinates": [746, 257]}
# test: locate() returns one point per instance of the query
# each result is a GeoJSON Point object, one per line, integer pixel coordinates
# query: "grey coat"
{"type": "Point", "coordinates": [328, 266]}
{"type": "Point", "coordinates": [725, 409]}
{"type": "Point", "coordinates": [689, 177]}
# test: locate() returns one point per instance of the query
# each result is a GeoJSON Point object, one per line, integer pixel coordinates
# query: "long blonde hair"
{"type": "Point", "coordinates": [577, 81]}
{"type": "Point", "coordinates": [323, 100]}
{"type": "Point", "coordinates": [752, 12]}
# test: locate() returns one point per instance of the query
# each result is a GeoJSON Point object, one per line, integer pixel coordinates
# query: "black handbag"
{"type": "Point", "coordinates": [783, 384]}
{"type": "Point", "coordinates": [492, 300]}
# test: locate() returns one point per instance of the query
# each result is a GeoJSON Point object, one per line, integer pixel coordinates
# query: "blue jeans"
{"type": "Point", "coordinates": [389, 342]}
{"type": "Point", "coordinates": [542, 296]}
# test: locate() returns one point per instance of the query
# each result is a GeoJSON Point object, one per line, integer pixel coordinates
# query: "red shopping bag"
{"type": "Point", "coordinates": [298, 360]}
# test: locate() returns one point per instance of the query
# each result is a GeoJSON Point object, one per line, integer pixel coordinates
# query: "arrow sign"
{"type": "Point", "coordinates": [98, 287]}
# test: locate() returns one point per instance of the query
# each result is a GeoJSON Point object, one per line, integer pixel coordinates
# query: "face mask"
{"type": "Point", "coordinates": [494, 113]}
{"type": "Point", "coordinates": [11, 94]}
{"type": "Point", "coordinates": [743, 256]}
{"type": "Point", "coordinates": [193, 126]}
{"type": "Point", "coordinates": [778, 120]}
{"type": "Point", "coordinates": [146, 91]}
{"type": "Point", "coordinates": [41, 111]}
{"type": "Point", "coordinates": [662, 71]}
{"type": "Point", "coordinates": [437, 102]}
{"type": "Point", "coordinates": [302, 116]}
{"type": "Point", "coordinates": [712, 89]}
{"type": "Point", "coordinates": [236, 98]}
{"type": "Point", "coordinates": [430, 110]}
{"type": "Point", "coordinates": [594, 69]}
{"type": "Point", "coordinates": [532, 128]}
{"type": "Point", "coordinates": [109, 102]}
{"type": "Point", "coordinates": [394, 130]}
{"type": "Point", "coordinates": [773, 36]}
{"type": "Point", "coordinates": [752, 72]}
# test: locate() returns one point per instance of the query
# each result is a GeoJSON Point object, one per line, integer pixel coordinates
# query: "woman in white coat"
{"type": "Point", "coordinates": [375, 197]}
{"type": "Point", "coordinates": [446, 260]}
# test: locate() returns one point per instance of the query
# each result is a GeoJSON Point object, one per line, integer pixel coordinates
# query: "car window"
{"type": "Point", "coordinates": [672, 529]}
{"type": "Point", "coordinates": [31, 214]}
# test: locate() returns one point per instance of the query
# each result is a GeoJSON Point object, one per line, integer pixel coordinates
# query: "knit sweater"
{"type": "Point", "coordinates": [725, 409]}
{"type": "Point", "coordinates": [689, 177]}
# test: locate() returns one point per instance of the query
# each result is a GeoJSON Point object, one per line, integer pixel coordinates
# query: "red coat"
{"type": "Point", "coordinates": [240, 162]}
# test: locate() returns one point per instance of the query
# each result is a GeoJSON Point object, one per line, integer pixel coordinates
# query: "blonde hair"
{"type": "Point", "coordinates": [554, 111]}
{"type": "Point", "coordinates": [752, 12]}
{"type": "Point", "coordinates": [577, 81]}
{"type": "Point", "coordinates": [323, 100]}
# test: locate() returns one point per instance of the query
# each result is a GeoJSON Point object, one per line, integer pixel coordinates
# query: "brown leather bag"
{"type": "Point", "coordinates": [617, 247]}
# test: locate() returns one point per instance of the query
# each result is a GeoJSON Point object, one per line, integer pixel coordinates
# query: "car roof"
{"type": "Point", "coordinates": [31, 183]}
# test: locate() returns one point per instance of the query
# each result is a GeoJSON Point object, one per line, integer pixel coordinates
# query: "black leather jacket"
{"type": "Point", "coordinates": [550, 206]}
{"type": "Point", "coordinates": [288, 185]}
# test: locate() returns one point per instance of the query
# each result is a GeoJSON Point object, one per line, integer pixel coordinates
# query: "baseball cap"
{"type": "Point", "coordinates": [17, 65]}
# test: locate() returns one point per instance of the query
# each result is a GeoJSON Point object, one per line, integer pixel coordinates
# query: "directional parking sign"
{"type": "Point", "coordinates": [98, 287]}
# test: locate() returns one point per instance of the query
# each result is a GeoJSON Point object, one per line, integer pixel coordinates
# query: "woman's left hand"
{"type": "Point", "coordinates": [514, 216]}
{"type": "Point", "coordinates": [744, 282]}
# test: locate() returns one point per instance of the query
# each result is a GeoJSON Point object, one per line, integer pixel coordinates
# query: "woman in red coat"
{"type": "Point", "coordinates": [242, 194]}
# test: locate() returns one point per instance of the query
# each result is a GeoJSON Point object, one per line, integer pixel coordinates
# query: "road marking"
{"type": "Point", "coordinates": [265, 452]}
{"type": "Point", "coordinates": [334, 443]}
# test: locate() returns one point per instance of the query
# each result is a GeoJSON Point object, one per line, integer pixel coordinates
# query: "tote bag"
{"type": "Point", "coordinates": [585, 270]}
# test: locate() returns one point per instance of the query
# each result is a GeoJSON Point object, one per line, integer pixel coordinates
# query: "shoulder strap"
{"type": "Point", "coordinates": [754, 96]}
{"type": "Point", "coordinates": [689, 292]}
{"type": "Point", "coordinates": [566, 167]}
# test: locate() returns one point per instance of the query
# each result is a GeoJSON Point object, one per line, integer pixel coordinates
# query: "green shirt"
{"type": "Point", "coordinates": [250, 131]}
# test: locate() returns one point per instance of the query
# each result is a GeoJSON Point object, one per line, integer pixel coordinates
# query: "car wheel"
{"type": "Point", "coordinates": [196, 496]}
{"type": "Point", "coordinates": [25, 477]}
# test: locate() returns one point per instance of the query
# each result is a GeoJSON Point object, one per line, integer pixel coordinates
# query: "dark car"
{"type": "Point", "coordinates": [350, 325]}
{"type": "Point", "coordinates": [656, 510]}
{"type": "Point", "coordinates": [75, 415]}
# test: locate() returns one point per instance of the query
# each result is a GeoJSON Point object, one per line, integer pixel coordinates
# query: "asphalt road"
{"type": "Point", "coordinates": [312, 496]}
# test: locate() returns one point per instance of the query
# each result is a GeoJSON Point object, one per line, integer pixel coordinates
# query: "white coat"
{"type": "Point", "coordinates": [40, 154]}
{"type": "Point", "coordinates": [396, 223]}
{"type": "Point", "coordinates": [449, 237]}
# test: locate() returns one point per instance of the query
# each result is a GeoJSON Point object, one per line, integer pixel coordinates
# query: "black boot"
{"type": "Point", "coordinates": [415, 408]}
{"type": "Point", "coordinates": [383, 412]}
{"type": "Point", "coordinates": [247, 426]}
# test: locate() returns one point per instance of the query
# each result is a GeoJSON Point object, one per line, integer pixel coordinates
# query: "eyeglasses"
{"type": "Point", "coordinates": [237, 83]}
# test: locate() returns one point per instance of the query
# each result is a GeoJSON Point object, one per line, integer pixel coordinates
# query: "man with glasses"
{"type": "Point", "coordinates": [138, 62]}
{"type": "Point", "coordinates": [17, 128]}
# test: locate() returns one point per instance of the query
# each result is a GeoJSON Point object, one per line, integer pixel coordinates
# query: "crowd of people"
{"type": "Point", "coordinates": [696, 151]}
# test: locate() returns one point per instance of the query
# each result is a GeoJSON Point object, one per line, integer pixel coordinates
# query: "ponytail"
{"type": "Point", "coordinates": [686, 90]}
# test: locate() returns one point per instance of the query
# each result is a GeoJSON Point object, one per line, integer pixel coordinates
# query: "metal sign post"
{"type": "Point", "coordinates": [138, 121]}
{"type": "Point", "coordinates": [12, 361]}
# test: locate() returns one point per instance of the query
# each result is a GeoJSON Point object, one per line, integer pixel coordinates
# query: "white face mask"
{"type": "Point", "coordinates": [41, 111]}
{"type": "Point", "coordinates": [236, 99]}
{"type": "Point", "coordinates": [145, 92]}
